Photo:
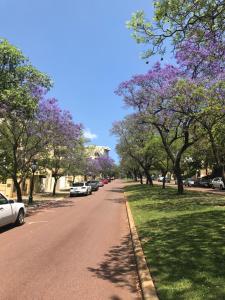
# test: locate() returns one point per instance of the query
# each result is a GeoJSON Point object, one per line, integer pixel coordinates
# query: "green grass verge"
{"type": "Point", "coordinates": [183, 238]}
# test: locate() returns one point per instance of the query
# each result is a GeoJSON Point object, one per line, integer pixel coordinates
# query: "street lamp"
{"type": "Point", "coordinates": [33, 168]}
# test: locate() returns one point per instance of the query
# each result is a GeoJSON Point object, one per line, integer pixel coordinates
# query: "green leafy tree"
{"type": "Point", "coordinates": [21, 139]}
{"type": "Point", "coordinates": [129, 167]}
{"type": "Point", "coordinates": [134, 137]}
{"type": "Point", "coordinates": [20, 83]}
{"type": "Point", "coordinates": [161, 162]}
{"type": "Point", "coordinates": [21, 87]}
{"type": "Point", "coordinates": [177, 21]}
{"type": "Point", "coordinates": [77, 162]}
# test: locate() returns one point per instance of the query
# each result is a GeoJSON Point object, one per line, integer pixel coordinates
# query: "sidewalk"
{"type": "Point", "coordinates": [42, 201]}
{"type": "Point", "coordinates": [46, 196]}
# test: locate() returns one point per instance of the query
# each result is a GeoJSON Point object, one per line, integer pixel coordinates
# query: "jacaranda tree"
{"type": "Point", "coordinates": [63, 137]}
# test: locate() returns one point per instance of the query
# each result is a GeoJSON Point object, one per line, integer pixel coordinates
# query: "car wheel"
{"type": "Point", "coordinates": [221, 187]}
{"type": "Point", "coordinates": [90, 192]}
{"type": "Point", "coordinates": [20, 218]}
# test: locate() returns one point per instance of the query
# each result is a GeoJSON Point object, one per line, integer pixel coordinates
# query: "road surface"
{"type": "Point", "coordinates": [79, 248]}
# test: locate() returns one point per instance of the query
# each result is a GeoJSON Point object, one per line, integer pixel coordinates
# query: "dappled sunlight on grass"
{"type": "Point", "coordinates": [183, 238]}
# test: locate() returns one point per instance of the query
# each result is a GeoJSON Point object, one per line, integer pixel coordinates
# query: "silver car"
{"type": "Point", "coordinates": [217, 182]}
{"type": "Point", "coordinates": [80, 188]}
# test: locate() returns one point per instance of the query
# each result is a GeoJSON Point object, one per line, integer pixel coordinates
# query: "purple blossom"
{"type": "Point", "coordinates": [145, 90]}
{"type": "Point", "coordinates": [201, 59]}
{"type": "Point", "coordinates": [58, 123]}
{"type": "Point", "coordinates": [102, 164]}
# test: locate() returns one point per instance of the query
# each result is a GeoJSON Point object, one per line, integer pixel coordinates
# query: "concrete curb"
{"type": "Point", "coordinates": [147, 285]}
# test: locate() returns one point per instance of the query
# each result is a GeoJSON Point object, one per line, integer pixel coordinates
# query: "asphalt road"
{"type": "Point", "coordinates": [79, 248]}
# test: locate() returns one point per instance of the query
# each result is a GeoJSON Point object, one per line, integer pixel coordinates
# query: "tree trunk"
{"type": "Point", "coordinates": [135, 175]}
{"type": "Point", "coordinates": [54, 187]}
{"type": "Point", "coordinates": [18, 190]}
{"type": "Point", "coordinates": [164, 180]}
{"type": "Point", "coordinates": [223, 174]}
{"type": "Point", "coordinates": [141, 178]}
{"type": "Point", "coordinates": [148, 178]}
{"type": "Point", "coordinates": [180, 186]}
{"type": "Point", "coordinates": [213, 146]}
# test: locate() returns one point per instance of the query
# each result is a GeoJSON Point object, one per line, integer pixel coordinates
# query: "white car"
{"type": "Point", "coordinates": [11, 212]}
{"type": "Point", "coordinates": [217, 182]}
{"type": "Point", "coordinates": [80, 188]}
{"type": "Point", "coordinates": [160, 179]}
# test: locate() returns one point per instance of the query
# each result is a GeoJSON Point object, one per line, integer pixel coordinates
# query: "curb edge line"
{"type": "Point", "coordinates": [145, 279]}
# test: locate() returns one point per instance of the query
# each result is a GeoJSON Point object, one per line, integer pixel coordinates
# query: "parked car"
{"type": "Point", "coordinates": [100, 183]}
{"type": "Point", "coordinates": [190, 182]}
{"type": "Point", "coordinates": [80, 188]}
{"type": "Point", "coordinates": [94, 184]}
{"type": "Point", "coordinates": [104, 181]}
{"type": "Point", "coordinates": [11, 212]}
{"type": "Point", "coordinates": [160, 179]}
{"type": "Point", "coordinates": [205, 181]}
{"type": "Point", "coordinates": [217, 182]}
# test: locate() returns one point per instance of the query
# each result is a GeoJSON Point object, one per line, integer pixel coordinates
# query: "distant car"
{"type": "Point", "coordinates": [205, 182]}
{"type": "Point", "coordinates": [100, 183]}
{"type": "Point", "coordinates": [160, 179]}
{"type": "Point", "coordinates": [11, 212]}
{"type": "Point", "coordinates": [104, 181]}
{"type": "Point", "coordinates": [190, 182]}
{"type": "Point", "coordinates": [94, 184]}
{"type": "Point", "coordinates": [80, 188]}
{"type": "Point", "coordinates": [217, 182]}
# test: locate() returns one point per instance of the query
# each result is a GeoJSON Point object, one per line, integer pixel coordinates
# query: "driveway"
{"type": "Point", "coordinates": [78, 248]}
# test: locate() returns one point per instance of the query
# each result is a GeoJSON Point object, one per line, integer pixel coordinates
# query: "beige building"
{"type": "Point", "coordinates": [97, 151]}
{"type": "Point", "coordinates": [44, 182]}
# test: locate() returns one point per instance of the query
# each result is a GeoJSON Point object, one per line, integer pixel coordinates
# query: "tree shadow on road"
{"type": "Point", "coordinates": [119, 266]}
{"type": "Point", "coordinates": [120, 200]}
{"type": "Point", "coordinates": [40, 206]}
{"type": "Point", "coordinates": [117, 200]}
{"type": "Point", "coordinates": [117, 190]}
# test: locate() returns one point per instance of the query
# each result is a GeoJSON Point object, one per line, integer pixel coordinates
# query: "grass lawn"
{"type": "Point", "coordinates": [183, 238]}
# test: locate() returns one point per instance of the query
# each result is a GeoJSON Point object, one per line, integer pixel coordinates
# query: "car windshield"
{"type": "Point", "coordinates": [78, 184]}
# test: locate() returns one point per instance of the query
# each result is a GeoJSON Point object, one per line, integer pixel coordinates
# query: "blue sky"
{"type": "Point", "coordinates": [85, 48]}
